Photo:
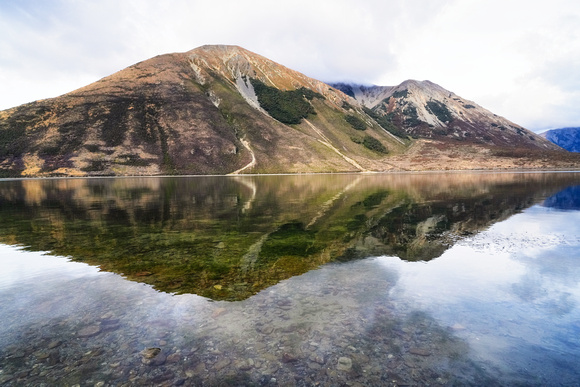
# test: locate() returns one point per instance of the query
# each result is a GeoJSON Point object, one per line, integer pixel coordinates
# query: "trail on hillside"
{"type": "Point", "coordinates": [251, 163]}
{"type": "Point", "coordinates": [327, 143]}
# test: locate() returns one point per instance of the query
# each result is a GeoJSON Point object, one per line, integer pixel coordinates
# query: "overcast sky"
{"type": "Point", "coordinates": [517, 58]}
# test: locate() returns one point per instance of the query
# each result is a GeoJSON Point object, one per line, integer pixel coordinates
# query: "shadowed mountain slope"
{"type": "Point", "coordinates": [567, 138]}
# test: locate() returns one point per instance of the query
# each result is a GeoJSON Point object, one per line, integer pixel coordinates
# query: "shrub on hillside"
{"type": "Point", "coordinates": [374, 144]}
{"type": "Point", "coordinates": [412, 118]}
{"type": "Point", "coordinates": [370, 143]}
{"type": "Point", "coordinates": [288, 107]}
{"type": "Point", "coordinates": [385, 122]}
{"type": "Point", "coordinates": [440, 110]}
{"type": "Point", "coordinates": [401, 93]}
{"type": "Point", "coordinates": [355, 122]}
{"type": "Point", "coordinates": [346, 105]}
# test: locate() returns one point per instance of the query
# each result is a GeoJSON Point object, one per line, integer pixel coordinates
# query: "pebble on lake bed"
{"type": "Point", "coordinates": [344, 364]}
{"type": "Point", "coordinates": [89, 331]}
{"type": "Point", "coordinates": [419, 352]}
{"type": "Point", "coordinates": [153, 357]}
{"type": "Point", "coordinates": [150, 353]}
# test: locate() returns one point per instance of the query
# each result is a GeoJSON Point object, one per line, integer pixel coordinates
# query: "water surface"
{"type": "Point", "coordinates": [416, 279]}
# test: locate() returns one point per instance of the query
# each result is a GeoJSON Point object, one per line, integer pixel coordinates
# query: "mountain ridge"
{"type": "Point", "coordinates": [427, 110]}
{"type": "Point", "coordinates": [567, 138]}
{"type": "Point", "coordinates": [223, 109]}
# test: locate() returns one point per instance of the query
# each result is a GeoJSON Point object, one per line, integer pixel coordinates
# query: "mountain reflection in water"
{"type": "Point", "coordinates": [227, 238]}
{"type": "Point", "coordinates": [567, 199]}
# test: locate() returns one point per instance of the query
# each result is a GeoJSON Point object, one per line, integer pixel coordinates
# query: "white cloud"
{"type": "Point", "coordinates": [517, 58]}
{"type": "Point", "coordinates": [498, 53]}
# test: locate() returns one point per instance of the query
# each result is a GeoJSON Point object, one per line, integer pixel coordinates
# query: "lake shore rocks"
{"type": "Point", "coordinates": [271, 339]}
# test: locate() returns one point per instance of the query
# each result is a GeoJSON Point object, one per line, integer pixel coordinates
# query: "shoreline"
{"type": "Point", "coordinates": [427, 171]}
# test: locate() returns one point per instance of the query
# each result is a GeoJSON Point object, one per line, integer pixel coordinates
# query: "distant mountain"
{"type": "Point", "coordinates": [423, 109]}
{"type": "Point", "coordinates": [223, 109]}
{"type": "Point", "coordinates": [567, 138]}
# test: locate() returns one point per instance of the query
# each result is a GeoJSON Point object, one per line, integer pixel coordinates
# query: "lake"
{"type": "Point", "coordinates": [347, 279]}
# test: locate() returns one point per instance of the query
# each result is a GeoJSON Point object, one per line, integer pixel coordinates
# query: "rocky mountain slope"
{"type": "Point", "coordinates": [423, 109]}
{"type": "Point", "coordinates": [223, 109]}
{"type": "Point", "coordinates": [567, 138]}
{"type": "Point", "coordinates": [192, 113]}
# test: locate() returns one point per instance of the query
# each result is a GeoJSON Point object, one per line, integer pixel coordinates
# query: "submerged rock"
{"type": "Point", "coordinates": [149, 353]}
{"type": "Point", "coordinates": [54, 344]}
{"type": "Point", "coordinates": [288, 358]}
{"type": "Point", "coordinates": [344, 364]}
{"type": "Point", "coordinates": [419, 352]}
{"type": "Point", "coordinates": [89, 331]}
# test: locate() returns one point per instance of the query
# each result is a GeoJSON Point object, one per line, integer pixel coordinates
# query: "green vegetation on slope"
{"type": "Point", "coordinates": [346, 105]}
{"type": "Point", "coordinates": [440, 110]}
{"type": "Point", "coordinates": [401, 93]}
{"type": "Point", "coordinates": [288, 107]}
{"type": "Point", "coordinates": [374, 144]}
{"type": "Point", "coordinates": [355, 122]}
{"type": "Point", "coordinates": [14, 138]}
{"type": "Point", "coordinates": [385, 122]}
{"type": "Point", "coordinates": [371, 143]}
{"type": "Point", "coordinates": [412, 118]}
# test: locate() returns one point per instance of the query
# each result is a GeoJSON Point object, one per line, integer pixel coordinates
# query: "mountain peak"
{"type": "Point", "coordinates": [424, 85]}
{"type": "Point", "coordinates": [219, 48]}
{"type": "Point", "coordinates": [234, 62]}
{"type": "Point", "coordinates": [372, 95]}
{"type": "Point", "coordinates": [238, 65]}
{"type": "Point", "coordinates": [426, 110]}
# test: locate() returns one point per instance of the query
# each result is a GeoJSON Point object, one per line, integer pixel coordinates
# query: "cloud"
{"type": "Point", "coordinates": [500, 54]}
{"type": "Point", "coordinates": [70, 42]}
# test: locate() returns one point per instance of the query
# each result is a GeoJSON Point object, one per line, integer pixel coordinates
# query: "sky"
{"type": "Point", "coordinates": [518, 58]}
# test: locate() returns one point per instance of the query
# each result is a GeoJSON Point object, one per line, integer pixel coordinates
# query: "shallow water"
{"type": "Point", "coordinates": [291, 280]}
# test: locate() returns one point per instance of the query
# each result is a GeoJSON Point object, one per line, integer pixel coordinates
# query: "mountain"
{"type": "Point", "coordinates": [567, 138]}
{"type": "Point", "coordinates": [223, 109]}
{"type": "Point", "coordinates": [191, 113]}
{"type": "Point", "coordinates": [423, 109]}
